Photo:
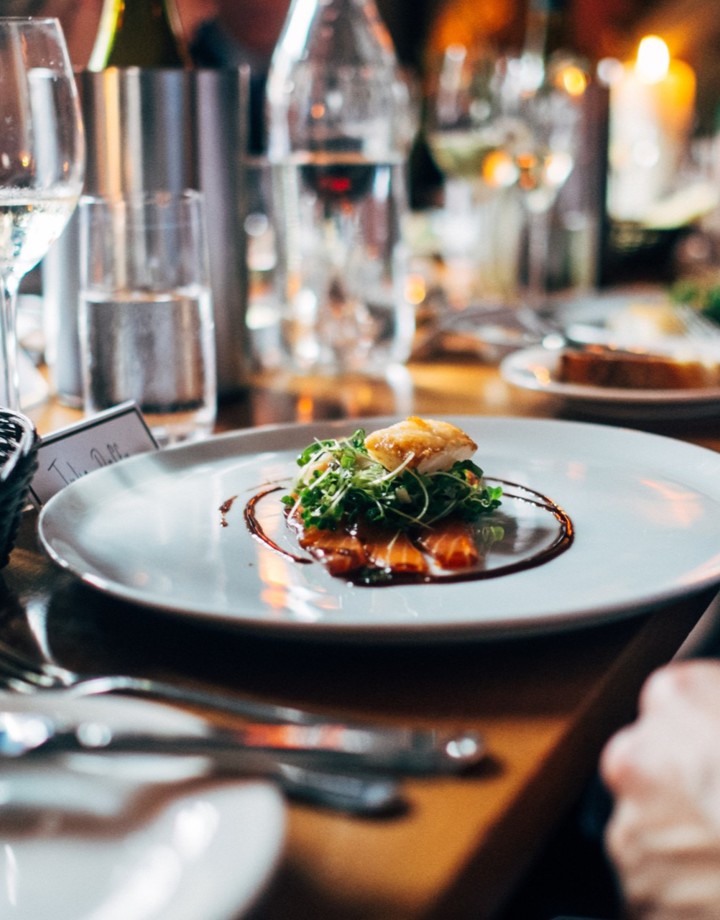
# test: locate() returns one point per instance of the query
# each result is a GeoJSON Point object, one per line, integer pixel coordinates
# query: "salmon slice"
{"type": "Point", "coordinates": [339, 551]}
{"type": "Point", "coordinates": [393, 550]}
{"type": "Point", "coordinates": [451, 543]}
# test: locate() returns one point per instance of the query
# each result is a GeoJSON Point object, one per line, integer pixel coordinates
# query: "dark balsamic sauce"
{"type": "Point", "coordinates": [225, 509]}
{"type": "Point", "coordinates": [380, 578]}
{"type": "Point", "coordinates": [256, 530]}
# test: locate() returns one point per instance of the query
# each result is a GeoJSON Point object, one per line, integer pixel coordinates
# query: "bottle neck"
{"type": "Point", "coordinates": [546, 28]}
{"type": "Point", "coordinates": [343, 33]}
{"type": "Point", "coordinates": [549, 46]}
{"type": "Point", "coordinates": [139, 33]}
{"type": "Point", "coordinates": [347, 91]}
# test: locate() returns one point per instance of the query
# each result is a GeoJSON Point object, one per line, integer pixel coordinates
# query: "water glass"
{"type": "Point", "coordinates": [146, 319]}
{"type": "Point", "coordinates": [342, 264]}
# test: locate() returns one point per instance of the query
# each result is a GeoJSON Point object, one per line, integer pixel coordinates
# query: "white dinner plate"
{"type": "Point", "coordinates": [646, 512]}
{"type": "Point", "coordinates": [536, 369]}
{"type": "Point", "coordinates": [111, 837]}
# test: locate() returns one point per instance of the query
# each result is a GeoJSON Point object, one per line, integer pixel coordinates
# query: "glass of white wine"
{"type": "Point", "coordinates": [479, 226]}
{"type": "Point", "coordinates": [42, 160]}
{"type": "Point", "coordinates": [464, 128]}
{"type": "Point", "coordinates": [509, 122]}
{"type": "Point", "coordinates": [541, 111]}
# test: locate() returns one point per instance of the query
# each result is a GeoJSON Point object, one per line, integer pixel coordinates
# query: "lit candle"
{"type": "Point", "coordinates": [652, 103]}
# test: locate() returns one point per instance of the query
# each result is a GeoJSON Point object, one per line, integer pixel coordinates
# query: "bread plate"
{"type": "Point", "coordinates": [536, 369]}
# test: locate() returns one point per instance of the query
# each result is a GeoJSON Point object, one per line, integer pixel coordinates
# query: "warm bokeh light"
{"type": "Point", "coordinates": [467, 23]}
{"type": "Point", "coordinates": [498, 169]}
{"type": "Point", "coordinates": [305, 409]}
{"type": "Point", "coordinates": [415, 289]}
{"type": "Point", "coordinates": [652, 104]}
{"type": "Point", "coordinates": [572, 79]}
{"type": "Point", "coordinates": [653, 59]}
{"type": "Point", "coordinates": [610, 71]}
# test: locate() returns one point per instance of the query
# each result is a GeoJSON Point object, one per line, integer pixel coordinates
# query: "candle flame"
{"type": "Point", "coordinates": [653, 59]}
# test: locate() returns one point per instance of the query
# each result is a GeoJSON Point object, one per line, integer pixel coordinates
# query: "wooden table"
{"type": "Point", "coordinates": [545, 705]}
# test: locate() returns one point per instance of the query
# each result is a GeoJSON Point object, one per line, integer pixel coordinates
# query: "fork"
{"type": "Point", "coordinates": [280, 728]}
{"type": "Point", "coordinates": [698, 326]}
{"type": "Point", "coordinates": [24, 674]}
{"type": "Point", "coordinates": [346, 790]}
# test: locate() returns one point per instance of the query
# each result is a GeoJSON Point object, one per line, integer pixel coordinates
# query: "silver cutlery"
{"type": "Point", "coordinates": [30, 735]}
{"type": "Point", "coordinates": [698, 327]}
{"type": "Point", "coordinates": [36, 733]}
{"type": "Point", "coordinates": [24, 674]}
{"type": "Point", "coordinates": [278, 728]}
{"type": "Point", "coordinates": [332, 746]}
{"type": "Point", "coordinates": [342, 786]}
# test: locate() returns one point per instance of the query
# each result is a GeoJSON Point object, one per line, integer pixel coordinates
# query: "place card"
{"type": "Point", "coordinates": [70, 453]}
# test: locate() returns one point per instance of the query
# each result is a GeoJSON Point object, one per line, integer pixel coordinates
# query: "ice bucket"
{"type": "Point", "coordinates": [151, 130]}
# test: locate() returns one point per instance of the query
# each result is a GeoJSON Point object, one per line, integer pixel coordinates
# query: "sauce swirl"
{"type": "Point", "coordinates": [553, 545]}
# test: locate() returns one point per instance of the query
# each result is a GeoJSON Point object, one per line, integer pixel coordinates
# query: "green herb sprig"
{"type": "Point", "coordinates": [340, 485]}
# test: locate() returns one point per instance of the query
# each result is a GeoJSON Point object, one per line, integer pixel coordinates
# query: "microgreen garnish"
{"type": "Point", "coordinates": [340, 484]}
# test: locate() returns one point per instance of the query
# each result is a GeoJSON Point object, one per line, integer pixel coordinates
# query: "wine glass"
{"type": "Point", "coordinates": [463, 128]}
{"type": "Point", "coordinates": [538, 113]}
{"type": "Point", "coordinates": [509, 123]}
{"type": "Point", "coordinates": [478, 227]}
{"type": "Point", "coordinates": [42, 158]}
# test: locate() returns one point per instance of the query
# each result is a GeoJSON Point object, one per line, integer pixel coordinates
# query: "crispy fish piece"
{"type": "Point", "coordinates": [430, 445]}
{"type": "Point", "coordinates": [451, 543]}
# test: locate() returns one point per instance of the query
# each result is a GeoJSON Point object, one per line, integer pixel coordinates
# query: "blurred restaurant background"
{"type": "Point", "coordinates": [641, 204]}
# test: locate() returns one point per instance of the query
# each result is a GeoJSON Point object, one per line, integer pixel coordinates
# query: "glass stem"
{"type": "Point", "coordinates": [538, 249]}
{"type": "Point", "coordinates": [10, 378]}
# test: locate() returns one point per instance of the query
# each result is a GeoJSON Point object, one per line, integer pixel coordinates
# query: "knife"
{"type": "Point", "coordinates": [256, 746]}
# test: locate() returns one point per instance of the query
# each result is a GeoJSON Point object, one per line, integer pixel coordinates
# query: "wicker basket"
{"type": "Point", "coordinates": [18, 462]}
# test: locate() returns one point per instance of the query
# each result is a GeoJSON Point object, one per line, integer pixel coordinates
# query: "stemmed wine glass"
{"type": "Point", "coordinates": [509, 122]}
{"type": "Point", "coordinates": [42, 160]}
{"type": "Point", "coordinates": [539, 115]}
{"type": "Point", "coordinates": [462, 126]}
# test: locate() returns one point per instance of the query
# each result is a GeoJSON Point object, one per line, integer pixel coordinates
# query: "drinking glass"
{"type": "Point", "coordinates": [463, 127]}
{"type": "Point", "coordinates": [146, 318]}
{"type": "Point", "coordinates": [42, 161]}
{"type": "Point", "coordinates": [503, 122]}
{"type": "Point", "coordinates": [538, 114]}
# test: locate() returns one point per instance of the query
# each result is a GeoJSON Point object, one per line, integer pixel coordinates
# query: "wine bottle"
{"type": "Point", "coordinates": [548, 43]}
{"type": "Point", "coordinates": [139, 33]}
{"type": "Point", "coordinates": [340, 124]}
{"type": "Point", "coordinates": [546, 28]}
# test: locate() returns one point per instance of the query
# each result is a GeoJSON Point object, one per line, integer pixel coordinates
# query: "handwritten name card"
{"type": "Point", "coordinates": [73, 452]}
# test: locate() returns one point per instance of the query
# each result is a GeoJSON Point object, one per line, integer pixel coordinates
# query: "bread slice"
{"type": "Point", "coordinates": [604, 367]}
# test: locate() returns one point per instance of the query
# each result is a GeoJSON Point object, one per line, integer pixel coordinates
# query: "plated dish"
{"type": "Point", "coordinates": [619, 317]}
{"type": "Point", "coordinates": [536, 369]}
{"type": "Point", "coordinates": [646, 512]}
{"type": "Point", "coordinates": [633, 358]}
{"type": "Point", "coordinates": [142, 838]}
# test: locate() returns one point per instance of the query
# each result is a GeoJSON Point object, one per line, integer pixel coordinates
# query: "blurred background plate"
{"type": "Point", "coordinates": [534, 369]}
